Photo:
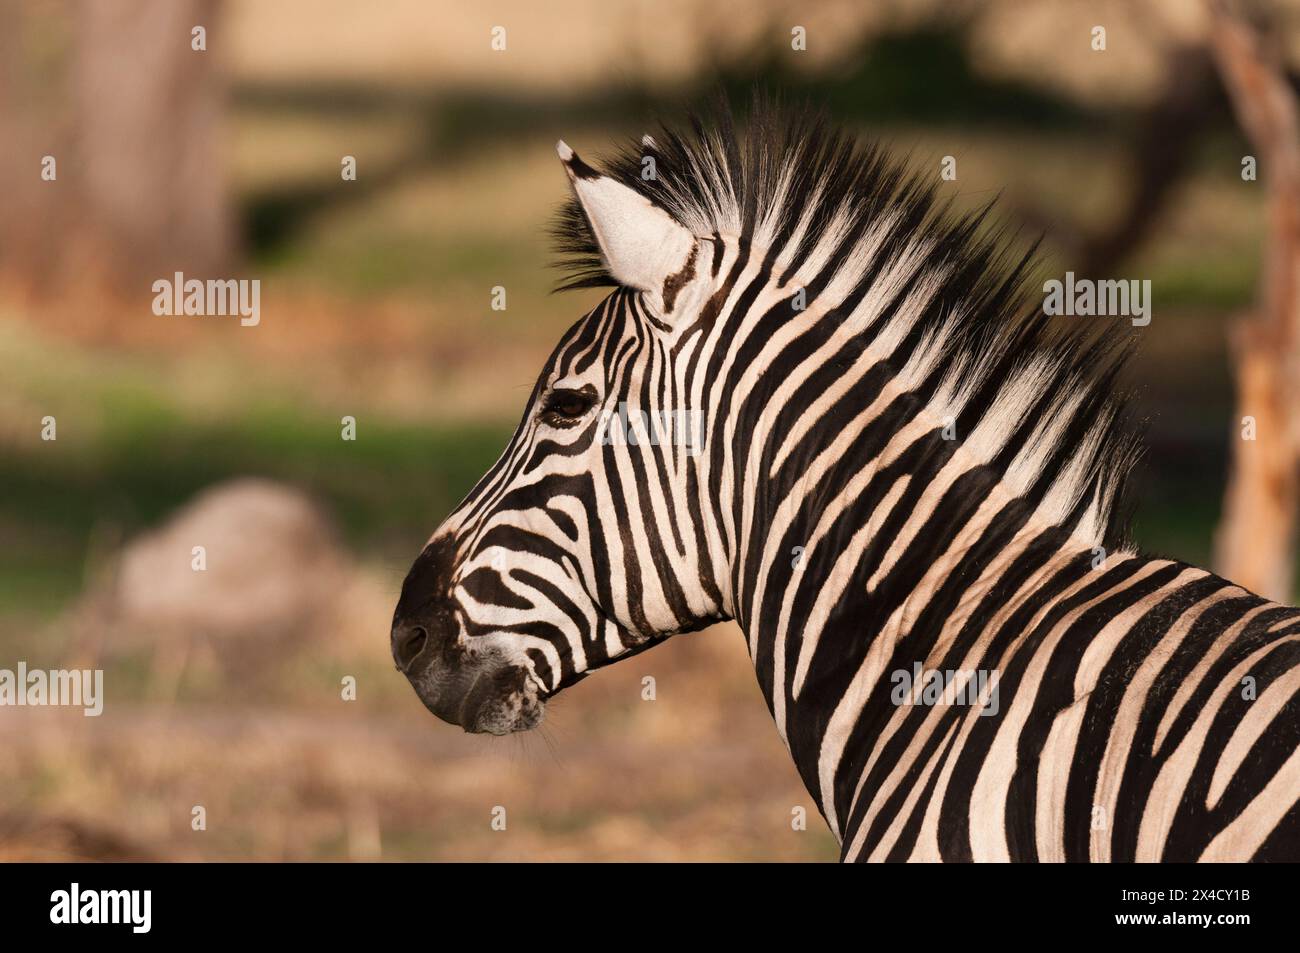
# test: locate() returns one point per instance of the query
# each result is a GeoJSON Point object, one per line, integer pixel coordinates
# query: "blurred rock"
{"type": "Point", "coordinates": [272, 568]}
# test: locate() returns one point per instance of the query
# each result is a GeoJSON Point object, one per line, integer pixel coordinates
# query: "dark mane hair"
{"type": "Point", "coordinates": [783, 178]}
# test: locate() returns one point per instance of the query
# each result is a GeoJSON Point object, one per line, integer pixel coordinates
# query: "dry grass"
{"type": "Point", "coordinates": [287, 770]}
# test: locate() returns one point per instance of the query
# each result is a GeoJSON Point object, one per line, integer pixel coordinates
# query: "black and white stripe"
{"type": "Point", "coordinates": [901, 462]}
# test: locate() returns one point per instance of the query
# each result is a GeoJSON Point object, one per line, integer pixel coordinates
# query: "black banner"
{"type": "Point", "coordinates": [142, 902]}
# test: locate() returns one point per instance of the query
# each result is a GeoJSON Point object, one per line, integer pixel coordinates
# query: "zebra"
{"type": "Point", "coordinates": [897, 465]}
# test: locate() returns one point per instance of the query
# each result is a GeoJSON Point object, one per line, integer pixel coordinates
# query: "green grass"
{"type": "Point", "coordinates": [393, 483]}
{"type": "Point", "coordinates": [410, 263]}
{"type": "Point", "coordinates": [137, 439]}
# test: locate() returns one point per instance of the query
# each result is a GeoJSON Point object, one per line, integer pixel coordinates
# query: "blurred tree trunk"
{"type": "Point", "coordinates": [1255, 542]}
{"type": "Point", "coordinates": [113, 90]}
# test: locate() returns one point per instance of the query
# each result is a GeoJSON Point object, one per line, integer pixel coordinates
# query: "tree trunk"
{"type": "Point", "coordinates": [1255, 542]}
{"type": "Point", "coordinates": [131, 114]}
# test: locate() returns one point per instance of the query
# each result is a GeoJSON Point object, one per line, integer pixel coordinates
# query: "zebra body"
{"type": "Point", "coordinates": [893, 466]}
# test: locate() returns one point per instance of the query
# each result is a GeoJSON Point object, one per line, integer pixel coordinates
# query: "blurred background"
{"type": "Point", "coordinates": [224, 688]}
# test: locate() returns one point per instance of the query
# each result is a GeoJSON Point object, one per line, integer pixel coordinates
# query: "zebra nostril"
{"type": "Point", "coordinates": [408, 645]}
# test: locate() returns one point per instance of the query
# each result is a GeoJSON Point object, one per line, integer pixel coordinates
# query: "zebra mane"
{"type": "Point", "coordinates": [872, 243]}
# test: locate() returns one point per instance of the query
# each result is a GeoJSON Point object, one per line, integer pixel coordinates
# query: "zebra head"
{"type": "Point", "coordinates": [576, 548]}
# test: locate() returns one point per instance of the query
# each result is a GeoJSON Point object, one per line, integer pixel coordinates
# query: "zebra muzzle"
{"type": "Point", "coordinates": [481, 693]}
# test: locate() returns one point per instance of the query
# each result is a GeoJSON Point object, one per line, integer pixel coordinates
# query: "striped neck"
{"type": "Point", "coordinates": [865, 535]}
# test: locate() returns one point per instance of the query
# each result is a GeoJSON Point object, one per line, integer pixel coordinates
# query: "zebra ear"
{"type": "Point", "coordinates": [643, 246]}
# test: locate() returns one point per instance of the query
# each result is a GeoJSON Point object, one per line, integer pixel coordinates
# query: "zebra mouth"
{"type": "Point", "coordinates": [482, 699]}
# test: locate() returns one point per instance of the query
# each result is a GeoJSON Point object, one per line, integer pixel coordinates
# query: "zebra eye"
{"type": "Point", "coordinates": [564, 407]}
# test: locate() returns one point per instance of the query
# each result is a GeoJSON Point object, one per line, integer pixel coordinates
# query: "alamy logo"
{"type": "Point", "coordinates": [948, 687]}
{"type": "Point", "coordinates": [216, 296]}
{"type": "Point", "coordinates": [134, 907]}
{"type": "Point", "coordinates": [633, 427]}
{"type": "Point", "coordinates": [1087, 298]}
{"type": "Point", "coordinates": [73, 688]}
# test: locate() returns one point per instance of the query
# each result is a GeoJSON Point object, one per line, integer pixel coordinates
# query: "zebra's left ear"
{"type": "Point", "coordinates": [643, 246]}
